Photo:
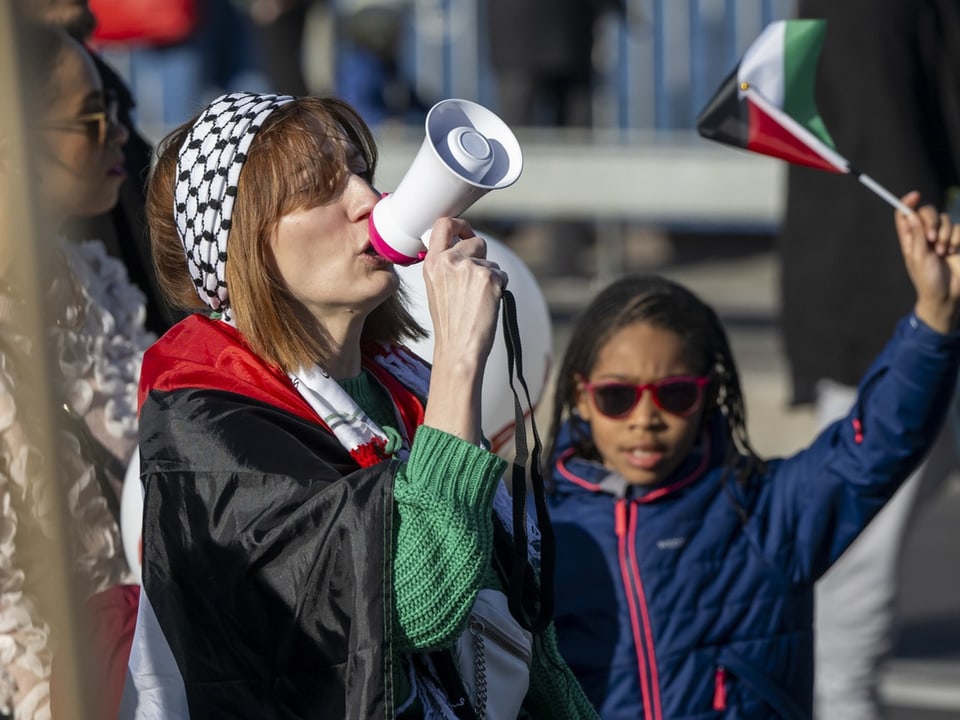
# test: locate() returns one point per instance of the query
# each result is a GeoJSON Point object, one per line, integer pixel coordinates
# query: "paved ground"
{"type": "Point", "coordinates": [923, 679]}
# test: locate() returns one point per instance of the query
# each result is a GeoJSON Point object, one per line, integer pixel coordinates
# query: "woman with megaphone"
{"type": "Point", "coordinates": [321, 519]}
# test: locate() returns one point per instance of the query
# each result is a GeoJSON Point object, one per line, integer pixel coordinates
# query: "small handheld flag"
{"type": "Point", "coordinates": [767, 105]}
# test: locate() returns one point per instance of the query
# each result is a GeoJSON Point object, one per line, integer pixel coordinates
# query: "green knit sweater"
{"type": "Point", "coordinates": [443, 543]}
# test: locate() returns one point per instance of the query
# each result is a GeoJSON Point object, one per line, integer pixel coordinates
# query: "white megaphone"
{"type": "Point", "coordinates": [467, 152]}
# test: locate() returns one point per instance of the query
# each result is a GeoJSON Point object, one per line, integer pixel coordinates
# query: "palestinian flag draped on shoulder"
{"type": "Point", "coordinates": [767, 104]}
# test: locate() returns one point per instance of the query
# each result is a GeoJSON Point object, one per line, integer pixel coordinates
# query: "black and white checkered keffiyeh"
{"type": "Point", "coordinates": [208, 170]}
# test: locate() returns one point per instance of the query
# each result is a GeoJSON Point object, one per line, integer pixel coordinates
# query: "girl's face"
{"type": "Point", "coordinates": [323, 255]}
{"type": "Point", "coordinates": [648, 443]}
{"type": "Point", "coordinates": [80, 161]}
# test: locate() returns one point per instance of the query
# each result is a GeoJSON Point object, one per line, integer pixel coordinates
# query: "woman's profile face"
{"type": "Point", "coordinates": [80, 160]}
{"type": "Point", "coordinates": [324, 257]}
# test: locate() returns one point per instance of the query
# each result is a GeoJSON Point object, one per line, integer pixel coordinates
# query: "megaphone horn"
{"type": "Point", "coordinates": [467, 152]}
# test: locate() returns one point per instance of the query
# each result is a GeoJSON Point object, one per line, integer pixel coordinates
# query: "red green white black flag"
{"type": "Point", "coordinates": [767, 104]}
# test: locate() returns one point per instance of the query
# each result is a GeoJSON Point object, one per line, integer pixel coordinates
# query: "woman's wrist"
{"type": "Point", "coordinates": [453, 403]}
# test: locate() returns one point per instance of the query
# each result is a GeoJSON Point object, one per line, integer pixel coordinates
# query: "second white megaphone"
{"type": "Point", "coordinates": [467, 152]}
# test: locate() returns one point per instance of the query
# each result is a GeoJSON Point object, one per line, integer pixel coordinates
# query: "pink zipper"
{"type": "Point", "coordinates": [620, 525]}
{"type": "Point", "coordinates": [720, 689]}
{"type": "Point", "coordinates": [644, 614]}
{"type": "Point", "coordinates": [857, 431]}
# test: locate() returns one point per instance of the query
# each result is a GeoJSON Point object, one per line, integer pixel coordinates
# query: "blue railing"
{"type": "Point", "coordinates": [658, 68]}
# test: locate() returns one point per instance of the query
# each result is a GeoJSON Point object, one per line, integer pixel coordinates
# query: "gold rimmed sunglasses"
{"type": "Point", "coordinates": [96, 124]}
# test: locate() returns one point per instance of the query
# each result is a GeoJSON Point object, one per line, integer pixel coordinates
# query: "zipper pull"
{"type": "Point", "coordinates": [620, 518]}
{"type": "Point", "coordinates": [720, 689]}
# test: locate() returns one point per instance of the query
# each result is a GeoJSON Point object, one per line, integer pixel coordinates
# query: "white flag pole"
{"type": "Point", "coordinates": [884, 193]}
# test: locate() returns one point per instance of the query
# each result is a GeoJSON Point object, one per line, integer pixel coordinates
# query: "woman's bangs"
{"type": "Point", "coordinates": [315, 171]}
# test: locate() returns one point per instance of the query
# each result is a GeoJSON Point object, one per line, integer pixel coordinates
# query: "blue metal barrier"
{"type": "Point", "coordinates": [657, 69]}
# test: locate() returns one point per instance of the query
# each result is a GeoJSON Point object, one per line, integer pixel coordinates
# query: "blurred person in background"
{"type": "Point", "coordinates": [122, 229]}
{"type": "Point", "coordinates": [279, 29]}
{"type": "Point", "coordinates": [888, 89]}
{"type": "Point", "coordinates": [156, 47]}
{"type": "Point", "coordinates": [369, 72]}
{"type": "Point", "coordinates": [230, 56]}
{"type": "Point", "coordinates": [546, 78]}
{"type": "Point", "coordinates": [96, 339]}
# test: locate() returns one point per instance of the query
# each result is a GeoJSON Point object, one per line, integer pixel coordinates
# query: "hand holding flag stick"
{"type": "Point", "coordinates": [767, 104]}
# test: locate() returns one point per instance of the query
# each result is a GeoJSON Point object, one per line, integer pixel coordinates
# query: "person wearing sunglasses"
{"type": "Point", "coordinates": [122, 229]}
{"type": "Point", "coordinates": [686, 563]}
{"type": "Point", "coordinates": [81, 161]}
{"type": "Point", "coordinates": [97, 124]}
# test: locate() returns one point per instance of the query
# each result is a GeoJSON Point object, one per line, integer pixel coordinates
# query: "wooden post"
{"type": "Point", "coordinates": [29, 263]}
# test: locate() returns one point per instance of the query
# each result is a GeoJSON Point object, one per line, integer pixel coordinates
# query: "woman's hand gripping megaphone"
{"type": "Point", "coordinates": [463, 291]}
{"type": "Point", "coordinates": [467, 152]}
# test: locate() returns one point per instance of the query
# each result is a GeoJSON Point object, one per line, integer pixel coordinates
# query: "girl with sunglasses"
{"type": "Point", "coordinates": [685, 562]}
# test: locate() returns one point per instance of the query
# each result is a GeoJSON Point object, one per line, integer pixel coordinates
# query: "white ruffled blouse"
{"type": "Point", "coordinates": [96, 346]}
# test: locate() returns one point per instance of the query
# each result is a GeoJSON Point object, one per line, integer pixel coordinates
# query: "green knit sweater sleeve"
{"type": "Point", "coordinates": [444, 537]}
{"type": "Point", "coordinates": [443, 533]}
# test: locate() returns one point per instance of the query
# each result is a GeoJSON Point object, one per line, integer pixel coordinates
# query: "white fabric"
{"type": "Point", "coordinates": [856, 599]}
{"type": "Point", "coordinates": [154, 688]}
{"type": "Point", "coordinates": [349, 423]}
{"type": "Point", "coordinates": [493, 654]}
{"type": "Point", "coordinates": [762, 63]}
{"type": "Point", "coordinates": [96, 346]}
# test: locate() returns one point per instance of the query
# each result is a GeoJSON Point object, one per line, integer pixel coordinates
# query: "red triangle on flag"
{"type": "Point", "coordinates": [767, 136]}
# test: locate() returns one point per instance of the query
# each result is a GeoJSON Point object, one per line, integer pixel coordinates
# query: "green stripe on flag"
{"type": "Point", "coordinates": [802, 42]}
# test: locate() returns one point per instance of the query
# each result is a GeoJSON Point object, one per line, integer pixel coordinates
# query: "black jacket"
{"type": "Point", "coordinates": [888, 89]}
{"type": "Point", "coordinates": [265, 546]}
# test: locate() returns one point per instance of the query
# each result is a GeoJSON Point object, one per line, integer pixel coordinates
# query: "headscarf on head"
{"type": "Point", "coordinates": [208, 172]}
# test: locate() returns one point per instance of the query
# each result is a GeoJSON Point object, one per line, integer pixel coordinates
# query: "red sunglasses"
{"type": "Point", "coordinates": [679, 395]}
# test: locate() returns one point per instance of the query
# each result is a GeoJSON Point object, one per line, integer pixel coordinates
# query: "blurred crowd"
{"type": "Point", "coordinates": [176, 54]}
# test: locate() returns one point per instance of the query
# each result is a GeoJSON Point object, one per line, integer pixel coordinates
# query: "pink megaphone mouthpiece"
{"type": "Point", "coordinates": [386, 250]}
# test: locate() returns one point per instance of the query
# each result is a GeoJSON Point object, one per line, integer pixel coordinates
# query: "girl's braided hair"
{"type": "Point", "coordinates": [667, 305]}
